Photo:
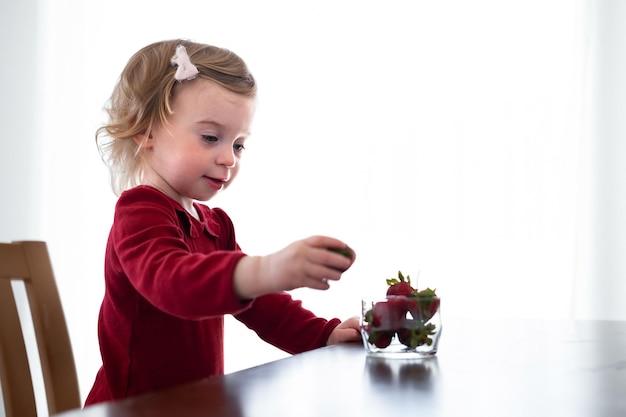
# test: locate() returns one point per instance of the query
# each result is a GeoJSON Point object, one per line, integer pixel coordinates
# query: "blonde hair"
{"type": "Point", "coordinates": [141, 100]}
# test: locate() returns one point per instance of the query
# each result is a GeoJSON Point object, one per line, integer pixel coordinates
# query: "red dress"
{"type": "Point", "coordinates": [168, 285]}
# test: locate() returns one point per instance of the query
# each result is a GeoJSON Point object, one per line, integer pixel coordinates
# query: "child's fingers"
{"type": "Point", "coordinates": [336, 260]}
{"type": "Point", "coordinates": [321, 241]}
{"type": "Point", "coordinates": [321, 271]}
{"type": "Point", "coordinates": [316, 283]}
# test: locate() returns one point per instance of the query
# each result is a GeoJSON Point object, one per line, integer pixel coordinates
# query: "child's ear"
{"type": "Point", "coordinates": [143, 141]}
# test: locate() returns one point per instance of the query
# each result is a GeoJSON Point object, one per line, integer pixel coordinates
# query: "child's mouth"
{"type": "Point", "coordinates": [215, 183]}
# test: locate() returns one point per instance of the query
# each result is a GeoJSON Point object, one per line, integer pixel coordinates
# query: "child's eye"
{"type": "Point", "coordinates": [239, 147]}
{"type": "Point", "coordinates": [209, 138]}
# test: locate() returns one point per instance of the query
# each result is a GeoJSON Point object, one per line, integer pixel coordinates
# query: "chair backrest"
{"type": "Point", "coordinates": [30, 263]}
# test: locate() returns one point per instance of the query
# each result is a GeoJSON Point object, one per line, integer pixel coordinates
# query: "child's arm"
{"type": "Point", "coordinates": [304, 263]}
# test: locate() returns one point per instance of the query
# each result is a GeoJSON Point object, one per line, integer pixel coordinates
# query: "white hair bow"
{"type": "Point", "coordinates": [186, 70]}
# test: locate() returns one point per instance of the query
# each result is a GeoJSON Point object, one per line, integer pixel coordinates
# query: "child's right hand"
{"type": "Point", "coordinates": [304, 263]}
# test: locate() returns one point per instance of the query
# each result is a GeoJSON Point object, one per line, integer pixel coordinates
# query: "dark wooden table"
{"type": "Point", "coordinates": [483, 368]}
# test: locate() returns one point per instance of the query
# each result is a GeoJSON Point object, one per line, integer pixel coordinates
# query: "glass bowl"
{"type": "Point", "coordinates": [401, 326]}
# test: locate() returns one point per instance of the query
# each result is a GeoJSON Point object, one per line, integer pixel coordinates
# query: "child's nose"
{"type": "Point", "coordinates": [227, 158]}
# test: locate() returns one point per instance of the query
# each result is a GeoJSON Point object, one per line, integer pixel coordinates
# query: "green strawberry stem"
{"type": "Point", "coordinates": [402, 278]}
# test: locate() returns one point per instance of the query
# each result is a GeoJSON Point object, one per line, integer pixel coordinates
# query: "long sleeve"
{"type": "Point", "coordinates": [285, 323]}
{"type": "Point", "coordinates": [168, 284]}
{"type": "Point", "coordinates": [180, 266]}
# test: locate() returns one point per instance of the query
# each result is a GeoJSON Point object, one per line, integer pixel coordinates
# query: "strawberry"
{"type": "Point", "coordinates": [389, 314]}
{"type": "Point", "coordinates": [345, 251]}
{"type": "Point", "coordinates": [413, 308]}
{"type": "Point", "coordinates": [423, 304]}
{"type": "Point", "coordinates": [434, 307]}
{"type": "Point", "coordinates": [400, 285]}
{"type": "Point", "coordinates": [404, 336]}
{"type": "Point", "coordinates": [428, 303]}
{"type": "Point", "coordinates": [401, 288]}
{"type": "Point", "coordinates": [380, 339]}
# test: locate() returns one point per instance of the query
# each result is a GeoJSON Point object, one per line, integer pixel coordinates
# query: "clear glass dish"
{"type": "Point", "coordinates": [401, 326]}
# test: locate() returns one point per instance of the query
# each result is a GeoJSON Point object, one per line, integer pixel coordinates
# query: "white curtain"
{"type": "Point", "coordinates": [600, 284]}
{"type": "Point", "coordinates": [475, 144]}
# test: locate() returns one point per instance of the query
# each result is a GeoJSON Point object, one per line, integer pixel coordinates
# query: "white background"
{"type": "Point", "coordinates": [475, 144]}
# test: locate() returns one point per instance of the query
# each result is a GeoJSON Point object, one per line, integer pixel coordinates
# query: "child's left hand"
{"type": "Point", "coordinates": [347, 331]}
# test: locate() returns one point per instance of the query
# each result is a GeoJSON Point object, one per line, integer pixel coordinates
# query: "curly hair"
{"type": "Point", "coordinates": [141, 100]}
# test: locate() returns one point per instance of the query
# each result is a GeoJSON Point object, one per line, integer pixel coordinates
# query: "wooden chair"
{"type": "Point", "coordinates": [30, 263]}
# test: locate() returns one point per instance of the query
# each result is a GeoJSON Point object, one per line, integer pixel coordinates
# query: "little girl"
{"type": "Point", "coordinates": [179, 118]}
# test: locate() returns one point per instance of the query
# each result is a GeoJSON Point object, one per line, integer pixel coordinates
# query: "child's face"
{"type": "Point", "coordinates": [197, 153]}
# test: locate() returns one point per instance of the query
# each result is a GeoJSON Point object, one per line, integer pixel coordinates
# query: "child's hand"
{"type": "Point", "coordinates": [304, 263]}
{"type": "Point", "coordinates": [348, 331]}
